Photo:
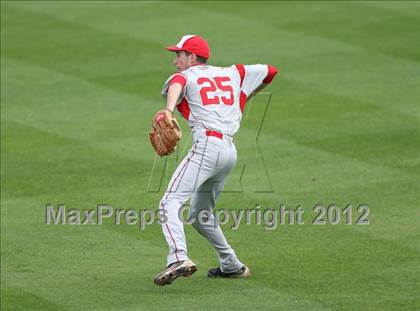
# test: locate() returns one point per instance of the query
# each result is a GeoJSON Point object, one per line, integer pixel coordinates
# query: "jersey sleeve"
{"type": "Point", "coordinates": [175, 78]}
{"type": "Point", "coordinates": [252, 76]}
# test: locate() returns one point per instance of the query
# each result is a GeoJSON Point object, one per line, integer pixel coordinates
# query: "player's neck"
{"type": "Point", "coordinates": [198, 64]}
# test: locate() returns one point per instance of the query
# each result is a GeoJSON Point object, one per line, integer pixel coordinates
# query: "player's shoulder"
{"type": "Point", "coordinates": [175, 75]}
{"type": "Point", "coordinates": [206, 67]}
{"type": "Point", "coordinates": [206, 71]}
{"type": "Point", "coordinates": [195, 68]}
{"type": "Point", "coordinates": [244, 69]}
{"type": "Point", "coordinates": [178, 73]}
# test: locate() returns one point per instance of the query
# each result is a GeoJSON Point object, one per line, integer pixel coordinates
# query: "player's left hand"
{"type": "Point", "coordinates": [165, 133]}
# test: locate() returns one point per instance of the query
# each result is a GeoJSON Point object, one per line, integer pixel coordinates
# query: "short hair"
{"type": "Point", "coordinates": [200, 59]}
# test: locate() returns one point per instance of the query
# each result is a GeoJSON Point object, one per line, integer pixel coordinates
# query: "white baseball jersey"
{"type": "Point", "coordinates": [213, 98]}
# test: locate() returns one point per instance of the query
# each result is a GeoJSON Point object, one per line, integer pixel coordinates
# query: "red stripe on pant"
{"type": "Point", "coordinates": [173, 240]}
{"type": "Point", "coordinates": [183, 169]}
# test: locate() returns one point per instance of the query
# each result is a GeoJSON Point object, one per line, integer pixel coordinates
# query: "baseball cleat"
{"type": "Point", "coordinates": [244, 272]}
{"type": "Point", "coordinates": [174, 270]}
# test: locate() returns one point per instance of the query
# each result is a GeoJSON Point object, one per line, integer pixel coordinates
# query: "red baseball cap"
{"type": "Point", "coordinates": [193, 44]}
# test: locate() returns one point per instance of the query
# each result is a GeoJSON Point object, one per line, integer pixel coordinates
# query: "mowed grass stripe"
{"type": "Point", "coordinates": [85, 53]}
{"type": "Point", "coordinates": [72, 106]}
{"type": "Point", "coordinates": [352, 22]}
{"type": "Point", "coordinates": [257, 14]}
{"type": "Point", "coordinates": [407, 8]}
{"type": "Point", "coordinates": [368, 73]}
{"type": "Point", "coordinates": [381, 24]}
{"type": "Point", "coordinates": [51, 165]}
{"type": "Point", "coordinates": [137, 19]}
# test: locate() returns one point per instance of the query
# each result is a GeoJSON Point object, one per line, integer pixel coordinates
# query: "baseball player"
{"type": "Point", "coordinates": [212, 100]}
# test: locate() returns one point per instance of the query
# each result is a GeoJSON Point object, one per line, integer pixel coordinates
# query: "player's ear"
{"type": "Point", "coordinates": [193, 58]}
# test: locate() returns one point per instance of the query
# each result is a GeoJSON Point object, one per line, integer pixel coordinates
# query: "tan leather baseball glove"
{"type": "Point", "coordinates": [165, 133]}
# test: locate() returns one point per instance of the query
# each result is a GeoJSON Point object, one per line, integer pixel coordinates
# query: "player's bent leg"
{"type": "Point", "coordinates": [202, 205]}
{"type": "Point", "coordinates": [178, 191]}
{"type": "Point", "coordinates": [173, 231]}
{"type": "Point", "coordinates": [182, 184]}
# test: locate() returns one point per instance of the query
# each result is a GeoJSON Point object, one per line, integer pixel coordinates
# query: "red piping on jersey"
{"type": "Point", "coordinates": [241, 70]}
{"type": "Point", "coordinates": [242, 101]}
{"type": "Point", "coordinates": [184, 108]}
{"type": "Point", "coordinates": [215, 134]}
{"type": "Point", "coordinates": [178, 78]}
{"type": "Point", "coordinates": [272, 71]}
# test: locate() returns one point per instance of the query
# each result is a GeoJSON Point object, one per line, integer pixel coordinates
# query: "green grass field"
{"type": "Point", "coordinates": [80, 82]}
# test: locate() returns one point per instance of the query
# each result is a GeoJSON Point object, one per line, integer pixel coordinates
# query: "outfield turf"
{"type": "Point", "coordinates": [80, 82]}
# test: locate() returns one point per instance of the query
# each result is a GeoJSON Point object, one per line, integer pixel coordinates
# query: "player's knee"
{"type": "Point", "coordinates": [204, 218]}
{"type": "Point", "coordinates": [163, 203]}
{"type": "Point", "coordinates": [169, 203]}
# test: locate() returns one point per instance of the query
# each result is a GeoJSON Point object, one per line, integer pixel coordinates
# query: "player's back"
{"type": "Point", "coordinates": [213, 95]}
{"type": "Point", "coordinates": [213, 98]}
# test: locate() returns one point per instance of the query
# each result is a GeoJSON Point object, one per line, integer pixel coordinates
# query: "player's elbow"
{"type": "Point", "coordinates": [272, 71]}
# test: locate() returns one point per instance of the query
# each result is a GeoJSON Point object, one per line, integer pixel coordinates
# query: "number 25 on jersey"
{"type": "Point", "coordinates": [209, 86]}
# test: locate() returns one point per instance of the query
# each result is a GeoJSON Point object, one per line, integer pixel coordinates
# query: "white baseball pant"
{"type": "Point", "coordinates": [200, 176]}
